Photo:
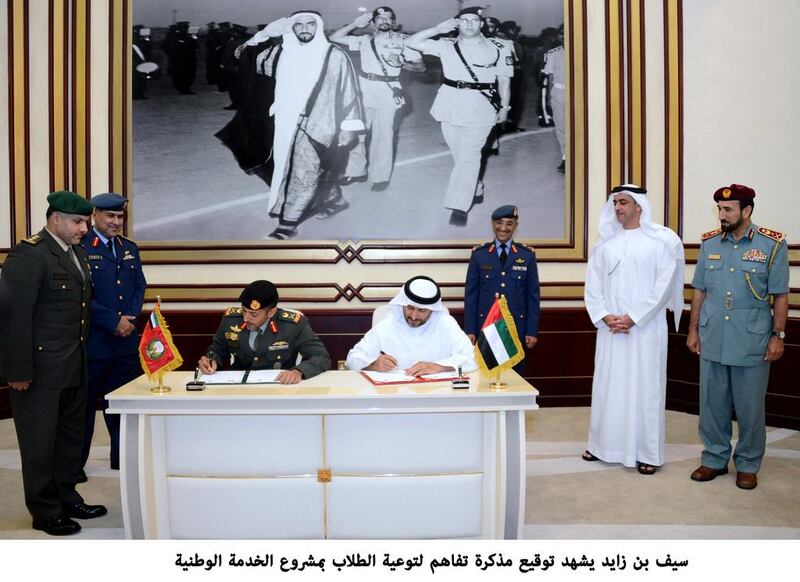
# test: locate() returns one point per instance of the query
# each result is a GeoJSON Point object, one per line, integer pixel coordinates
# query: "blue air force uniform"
{"type": "Point", "coordinates": [735, 325]}
{"type": "Point", "coordinates": [517, 278]}
{"type": "Point", "coordinates": [119, 286]}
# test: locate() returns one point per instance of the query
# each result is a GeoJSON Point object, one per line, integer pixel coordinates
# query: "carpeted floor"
{"type": "Point", "coordinates": [567, 498]}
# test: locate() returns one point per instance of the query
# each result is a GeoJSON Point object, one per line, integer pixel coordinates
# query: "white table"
{"type": "Point", "coordinates": [331, 457]}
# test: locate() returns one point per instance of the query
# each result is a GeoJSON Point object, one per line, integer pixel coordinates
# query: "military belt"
{"type": "Point", "coordinates": [743, 304]}
{"type": "Point", "coordinates": [374, 77]}
{"type": "Point", "coordinates": [468, 84]}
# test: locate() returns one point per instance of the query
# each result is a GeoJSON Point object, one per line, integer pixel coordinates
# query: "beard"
{"type": "Point", "coordinates": [384, 27]}
{"type": "Point", "coordinates": [305, 37]}
{"type": "Point", "coordinates": [726, 226]}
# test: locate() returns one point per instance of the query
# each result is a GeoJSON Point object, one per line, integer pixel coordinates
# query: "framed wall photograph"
{"type": "Point", "coordinates": [193, 200]}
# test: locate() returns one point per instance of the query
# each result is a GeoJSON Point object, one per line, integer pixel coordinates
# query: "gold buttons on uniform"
{"type": "Point", "coordinates": [119, 282]}
{"type": "Point", "coordinates": [40, 348]}
{"type": "Point", "coordinates": [63, 286]}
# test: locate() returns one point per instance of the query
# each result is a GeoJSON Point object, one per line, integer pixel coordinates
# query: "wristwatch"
{"type": "Point", "coordinates": [779, 334]}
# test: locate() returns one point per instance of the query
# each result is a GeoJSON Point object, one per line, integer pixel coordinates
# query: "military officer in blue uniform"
{"type": "Point", "coordinates": [117, 298]}
{"type": "Point", "coordinates": [43, 358]}
{"type": "Point", "coordinates": [503, 267]}
{"type": "Point", "coordinates": [259, 335]}
{"type": "Point", "coordinates": [736, 334]}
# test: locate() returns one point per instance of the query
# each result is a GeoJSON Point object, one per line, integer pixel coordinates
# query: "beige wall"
{"type": "Point", "coordinates": [741, 124]}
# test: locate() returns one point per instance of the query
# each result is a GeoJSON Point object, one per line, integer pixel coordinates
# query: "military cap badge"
{"type": "Point", "coordinates": [255, 304]}
{"type": "Point", "coordinates": [726, 193]}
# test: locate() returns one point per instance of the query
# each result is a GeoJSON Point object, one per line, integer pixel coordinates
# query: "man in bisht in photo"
{"type": "Point", "coordinates": [313, 113]}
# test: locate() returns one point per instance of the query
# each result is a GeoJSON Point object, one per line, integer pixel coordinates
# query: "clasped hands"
{"type": "Point", "coordinates": [618, 323]}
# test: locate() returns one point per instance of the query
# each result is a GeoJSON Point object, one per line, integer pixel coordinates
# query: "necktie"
{"type": "Point", "coordinates": [259, 340]}
{"type": "Point", "coordinates": [503, 253]}
{"type": "Point", "coordinates": [110, 245]}
{"type": "Point", "coordinates": [74, 258]}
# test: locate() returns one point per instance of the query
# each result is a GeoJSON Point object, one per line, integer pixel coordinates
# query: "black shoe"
{"type": "Point", "coordinates": [347, 180]}
{"type": "Point", "coordinates": [57, 526]}
{"type": "Point", "coordinates": [479, 190]}
{"type": "Point", "coordinates": [82, 478]}
{"type": "Point", "coordinates": [458, 218]}
{"type": "Point", "coordinates": [84, 511]}
{"type": "Point", "coordinates": [379, 186]}
{"type": "Point", "coordinates": [562, 166]}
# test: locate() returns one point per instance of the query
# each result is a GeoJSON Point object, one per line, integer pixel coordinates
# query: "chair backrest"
{"type": "Point", "coordinates": [382, 312]}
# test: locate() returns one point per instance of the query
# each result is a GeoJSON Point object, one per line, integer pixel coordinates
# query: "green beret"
{"type": "Point", "coordinates": [69, 203]}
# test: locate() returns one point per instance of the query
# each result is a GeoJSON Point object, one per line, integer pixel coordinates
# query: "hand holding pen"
{"type": "Point", "coordinates": [207, 364]}
{"type": "Point", "coordinates": [384, 363]}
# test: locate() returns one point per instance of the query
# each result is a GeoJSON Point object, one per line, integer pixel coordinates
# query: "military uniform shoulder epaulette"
{"type": "Point", "coordinates": [483, 246]}
{"type": "Point", "coordinates": [497, 43]}
{"type": "Point", "coordinates": [526, 247]}
{"type": "Point", "coordinates": [127, 239]}
{"type": "Point", "coordinates": [33, 240]}
{"type": "Point", "coordinates": [773, 234]}
{"type": "Point", "coordinates": [290, 315]}
{"type": "Point", "coordinates": [234, 311]}
{"type": "Point", "coordinates": [554, 49]}
{"type": "Point", "coordinates": [710, 234]}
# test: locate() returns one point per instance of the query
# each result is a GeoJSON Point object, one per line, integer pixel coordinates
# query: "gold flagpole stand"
{"type": "Point", "coordinates": [160, 389]}
{"type": "Point", "coordinates": [497, 384]}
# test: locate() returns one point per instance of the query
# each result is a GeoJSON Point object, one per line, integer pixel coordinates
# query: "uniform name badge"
{"type": "Point", "coordinates": [519, 268]}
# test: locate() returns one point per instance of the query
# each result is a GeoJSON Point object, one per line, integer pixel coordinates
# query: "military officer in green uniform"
{"type": "Point", "coordinates": [736, 334]}
{"type": "Point", "coordinates": [44, 361]}
{"type": "Point", "coordinates": [259, 336]}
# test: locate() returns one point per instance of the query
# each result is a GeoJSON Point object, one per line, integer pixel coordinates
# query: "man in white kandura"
{"type": "Point", "coordinates": [418, 336]}
{"type": "Point", "coordinates": [635, 273]}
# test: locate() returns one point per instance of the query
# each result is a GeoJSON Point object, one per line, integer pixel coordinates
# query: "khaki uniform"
{"type": "Point", "coordinates": [380, 107]}
{"type": "Point", "coordinates": [290, 335]}
{"type": "Point", "coordinates": [466, 115]}
{"type": "Point", "coordinates": [44, 340]}
{"type": "Point", "coordinates": [554, 68]}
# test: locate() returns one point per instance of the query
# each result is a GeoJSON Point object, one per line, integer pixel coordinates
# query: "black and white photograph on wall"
{"type": "Point", "coordinates": [340, 120]}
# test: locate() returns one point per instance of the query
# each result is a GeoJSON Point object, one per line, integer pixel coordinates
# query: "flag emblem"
{"type": "Point", "coordinates": [498, 347]}
{"type": "Point", "coordinates": [157, 352]}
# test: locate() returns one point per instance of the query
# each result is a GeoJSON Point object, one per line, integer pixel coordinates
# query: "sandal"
{"type": "Point", "coordinates": [587, 456]}
{"type": "Point", "coordinates": [645, 469]}
{"type": "Point", "coordinates": [283, 233]}
{"type": "Point", "coordinates": [332, 209]}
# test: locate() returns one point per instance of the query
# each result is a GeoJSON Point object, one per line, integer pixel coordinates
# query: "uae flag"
{"type": "Point", "coordinates": [157, 353]}
{"type": "Point", "coordinates": [498, 347]}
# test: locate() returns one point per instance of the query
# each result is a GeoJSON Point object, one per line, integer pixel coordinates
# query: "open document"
{"type": "Point", "coordinates": [239, 377]}
{"type": "Point", "coordinates": [400, 377]}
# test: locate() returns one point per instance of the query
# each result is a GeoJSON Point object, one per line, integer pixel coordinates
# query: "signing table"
{"type": "Point", "coordinates": [332, 457]}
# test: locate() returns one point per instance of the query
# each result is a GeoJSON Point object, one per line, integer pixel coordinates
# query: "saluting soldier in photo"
{"type": "Point", "coordinates": [736, 334]}
{"type": "Point", "coordinates": [383, 56]}
{"type": "Point", "coordinates": [259, 335]}
{"type": "Point", "coordinates": [503, 267]}
{"type": "Point", "coordinates": [119, 286]}
{"type": "Point", "coordinates": [44, 361]}
{"type": "Point", "coordinates": [474, 96]}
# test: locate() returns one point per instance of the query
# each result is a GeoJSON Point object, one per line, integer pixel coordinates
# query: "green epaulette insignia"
{"type": "Point", "coordinates": [33, 240]}
{"type": "Point", "coordinates": [711, 234]}
{"type": "Point", "coordinates": [291, 315]}
{"type": "Point", "coordinates": [773, 234]}
{"type": "Point", "coordinates": [233, 311]}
